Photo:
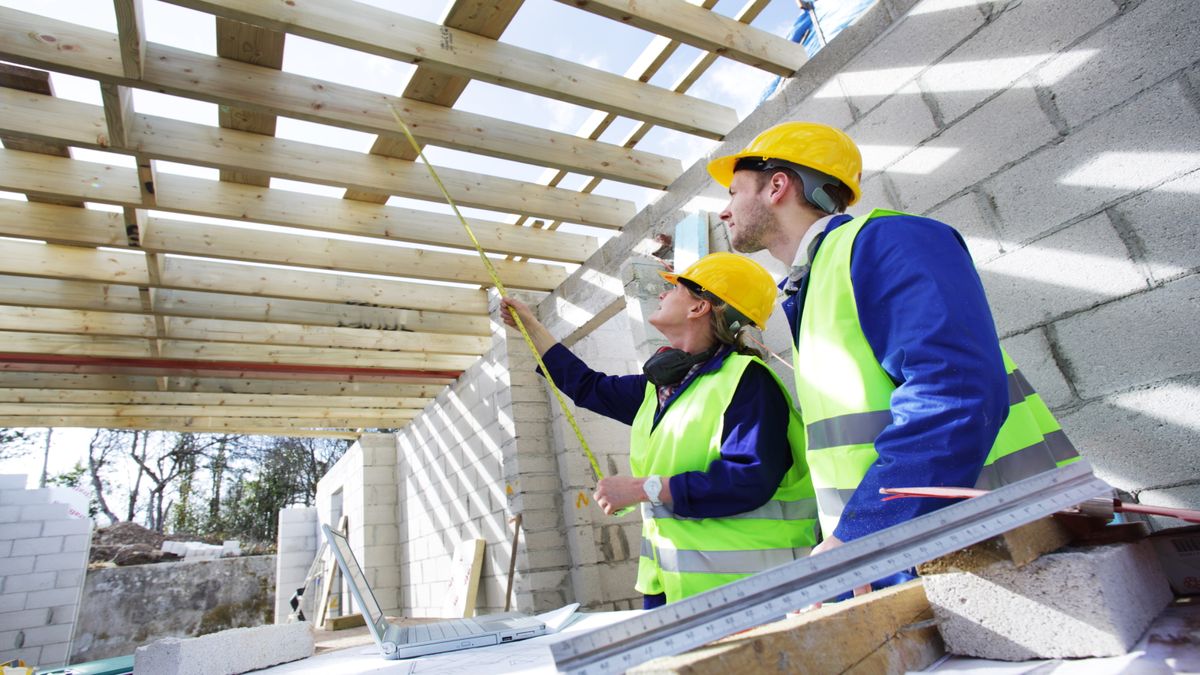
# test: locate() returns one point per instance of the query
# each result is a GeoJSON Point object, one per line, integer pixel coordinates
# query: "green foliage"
{"type": "Point", "coordinates": [77, 477]}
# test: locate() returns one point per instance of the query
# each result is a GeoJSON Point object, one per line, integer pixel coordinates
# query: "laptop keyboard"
{"type": "Point", "coordinates": [442, 630]}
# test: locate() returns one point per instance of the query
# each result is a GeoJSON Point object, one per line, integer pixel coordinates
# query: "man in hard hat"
{"type": "Point", "coordinates": [716, 448]}
{"type": "Point", "coordinates": [900, 377]}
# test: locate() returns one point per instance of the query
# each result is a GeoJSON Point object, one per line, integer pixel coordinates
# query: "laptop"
{"type": "Point", "coordinates": [401, 642]}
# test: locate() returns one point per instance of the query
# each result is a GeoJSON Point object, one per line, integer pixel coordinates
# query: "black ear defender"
{"type": "Point", "coordinates": [669, 365]}
{"type": "Point", "coordinates": [814, 181]}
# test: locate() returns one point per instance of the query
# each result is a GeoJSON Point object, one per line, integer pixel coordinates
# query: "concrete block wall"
{"type": "Point", "coordinates": [43, 559]}
{"type": "Point", "coordinates": [1060, 139]}
{"type": "Point", "coordinates": [298, 541]}
{"type": "Point", "coordinates": [475, 458]}
{"type": "Point", "coordinates": [366, 477]}
{"type": "Point", "coordinates": [603, 549]}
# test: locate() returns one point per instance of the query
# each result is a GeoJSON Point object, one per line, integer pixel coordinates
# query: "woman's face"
{"type": "Point", "coordinates": [673, 307]}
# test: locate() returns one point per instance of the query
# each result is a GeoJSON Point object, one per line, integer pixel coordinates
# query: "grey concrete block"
{"type": "Point", "coordinates": [1182, 496]}
{"type": "Point", "coordinates": [1110, 344]}
{"type": "Point", "coordinates": [1070, 271]}
{"type": "Point", "coordinates": [920, 37]}
{"type": "Point", "coordinates": [1018, 40]}
{"type": "Point", "coordinates": [11, 481]}
{"type": "Point", "coordinates": [1141, 438]}
{"type": "Point", "coordinates": [231, 651]}
{"type": "Point", "coordinates": [1166, 224]}
{"type": "Point", "coordinates": [1031, 351]}
{"type": "Point", "coordinates": [966, 215]}
{"type": "Point", "coordinates": [1071, 604]}
{"type": "Point", "coordinates": [1113, 65]}
{"type": "Point", "coordinates": [1004, 130]}
{"type": "Point", "coordinates": [893, 130]}
{"type": "Point", "coordinates": [1150, 140]}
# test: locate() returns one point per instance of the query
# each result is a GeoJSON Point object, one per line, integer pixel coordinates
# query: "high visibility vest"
{"type": "Point", "coordinates": [683, 556]}
{"type": "Point", "coordinates": [845, 395]}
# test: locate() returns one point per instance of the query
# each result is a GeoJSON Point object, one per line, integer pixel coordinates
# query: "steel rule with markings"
{"type": "Point", "coordinates": [769, 595]}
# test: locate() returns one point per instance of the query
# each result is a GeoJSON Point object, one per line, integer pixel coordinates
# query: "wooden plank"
{"type": "Point", "coordinates": [132, 32]}
{"type": "Point", "coordinates": [73, 262]}
{"type": "Point", "coordinates": [371, 416]}
{"type": "Point", "coordinates": [485, 18]}
{"type": "Point", "coordinates": [61, 224]}
{"type": "Point", "coordinates": [888, 631]}
{"type": "Point", "coordinates": [49, 320]}
{"type": "Point", "coordinates": [135, 385]}
{"type": "Point", "coordinates": [65, 294]}
{"type": "Point", "coordinates": [37, 82]}
{"type": "Point", "coordinates": [77, 123]}
{"type": "Point", "coordinates": [170, 398]}
{"type": "Point", "coordinates": [704, 29]}
{"type": "Point", "coordinates": [86, 52]}
{"type": "Point", "coordinates": [190, 350]}
{"type": "Point", "coordinates": [88, 365]}
{"type": "Point", "coordinates": [325, 214]}
{"type": "Point", "coordinates": [396, 36]}
{"type": "Point", "coordinates": [25, 172]}
{"type": "Point", "coordinates": [179, 237]}
{"type": "Point", "coordinates": [43, 117]}
{"type": "Point", "coordinates": [247, 425]}
{"type": "Point", "coordinates": [249, 44]}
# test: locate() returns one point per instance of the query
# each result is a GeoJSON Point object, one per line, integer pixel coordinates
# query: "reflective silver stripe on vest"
{"type": "Point", "coordinates": [833, 500]}
{"type": "Point", "coordinates": [852, 429]}
{"type": "Point", "coordinates": [647, 549]}
{"type": "Point", "coordinates": [1061, 447]}
{"type": "Point", "coordinates": [1026, 462]}
{"type": "Point", "coordinates": [726, 562]}
{"type": "Point", "coordinates": [1016, 388]}
{"type": "Point", "coordinates": [803, 509]}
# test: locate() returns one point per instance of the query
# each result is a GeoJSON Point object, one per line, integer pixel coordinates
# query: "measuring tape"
{"type": "Point", "coordinates": [491, 270]}
{"type": "Point", "coordinates": [768, 596]}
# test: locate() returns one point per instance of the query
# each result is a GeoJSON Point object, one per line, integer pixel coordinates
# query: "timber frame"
{"type": "Point", "coordinates": [128, 318]}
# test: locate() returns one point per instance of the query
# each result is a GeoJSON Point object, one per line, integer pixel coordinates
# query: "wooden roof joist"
{"type": "Point", "coordinates": [136, 384]}
{"type": "Point", "coordinates": [363, 416]}
{"type": "Point", "coordinates": [32, 361]}
{"type": "Point", "coordinates": [30, 342]}
{"type": "Point", "coordinates": [215, 400]}
{"type": "Point", "coordinates": [213, 241]}
{"type": "Point", "coordinates": [39, 42]}
{"type": "Point", "coordinates": [710, 31]}
{"type": "Point", "coordinates": [84, 295]}
{"type": "Point", "coordinates": [17, 318]}
{"type": "Point", "coordinates": [53, 120]}
{"type": "Point", "coordinates": [391, 35]}
{"type": "Point", "coordinates": [269, 426]}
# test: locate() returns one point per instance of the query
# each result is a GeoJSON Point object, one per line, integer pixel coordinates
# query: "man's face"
{"type": "Point", "coordinates": [748, 215]}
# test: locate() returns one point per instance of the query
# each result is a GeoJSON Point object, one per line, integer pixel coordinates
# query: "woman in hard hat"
{"type": "Point", "coordinates": [716, 451]}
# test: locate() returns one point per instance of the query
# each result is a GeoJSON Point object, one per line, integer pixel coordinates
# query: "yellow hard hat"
{"type": "Point", "coordinates": [817, 146]}
{"type": "Point", "coordinates": [739, 281]}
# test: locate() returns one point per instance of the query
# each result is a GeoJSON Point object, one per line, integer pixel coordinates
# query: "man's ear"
{"type": "Point", "coordinates": [778, 186]}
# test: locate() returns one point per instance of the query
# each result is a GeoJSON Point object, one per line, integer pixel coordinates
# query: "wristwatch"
{"type": "Point", "coordinates": [652, 487]}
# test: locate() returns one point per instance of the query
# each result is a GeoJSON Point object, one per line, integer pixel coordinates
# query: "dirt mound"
{"type": "Point", "coordinates": [128, 544]}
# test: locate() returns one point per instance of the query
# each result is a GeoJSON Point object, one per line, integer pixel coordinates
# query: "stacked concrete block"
{"type": "Point", "coordinates": [298, 542]}
{"type": "Point", "coordinates": [238, 650]}
{"type": "Point", "coordinates": [43, 558]}
{"type": "Point", "coordinates": [1074, 603]}
{"type": "Point", "coordinates": [365, 479]}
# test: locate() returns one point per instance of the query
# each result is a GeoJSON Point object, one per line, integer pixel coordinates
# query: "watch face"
{"type": "Point", "coordinates": [652, 487]}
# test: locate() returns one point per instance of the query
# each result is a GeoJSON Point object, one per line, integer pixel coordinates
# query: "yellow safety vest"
{"type": "Point", "coordinates": [845, 395]}
{"type": "Point", "coordinates": [683, 556]}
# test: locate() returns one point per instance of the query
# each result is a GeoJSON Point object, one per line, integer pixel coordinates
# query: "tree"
{"type": "Point", "coordinates": [105, 444]}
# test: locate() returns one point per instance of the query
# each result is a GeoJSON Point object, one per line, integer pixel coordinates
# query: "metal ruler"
{"type": "Point", "coordinates": [769, 595]}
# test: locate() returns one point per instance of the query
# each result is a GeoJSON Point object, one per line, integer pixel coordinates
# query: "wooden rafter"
{"type": "Point", "coordinates": [294, 313]}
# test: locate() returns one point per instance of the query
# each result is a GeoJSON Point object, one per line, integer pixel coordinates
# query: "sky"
{"type": "Point", "coordinates": [545, 26]}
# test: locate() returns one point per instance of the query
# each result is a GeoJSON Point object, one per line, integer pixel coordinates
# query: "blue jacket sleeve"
{"type": "Point", "coordinates": [615, 396]}
{"type": "Point", "coordinates": [924, 313]}
{"type": "Point", "coordinates": [754, 453]}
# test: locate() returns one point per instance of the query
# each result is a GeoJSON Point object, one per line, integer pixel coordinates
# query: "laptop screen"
{"type": "Point", "coordinates": [358, 580]}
